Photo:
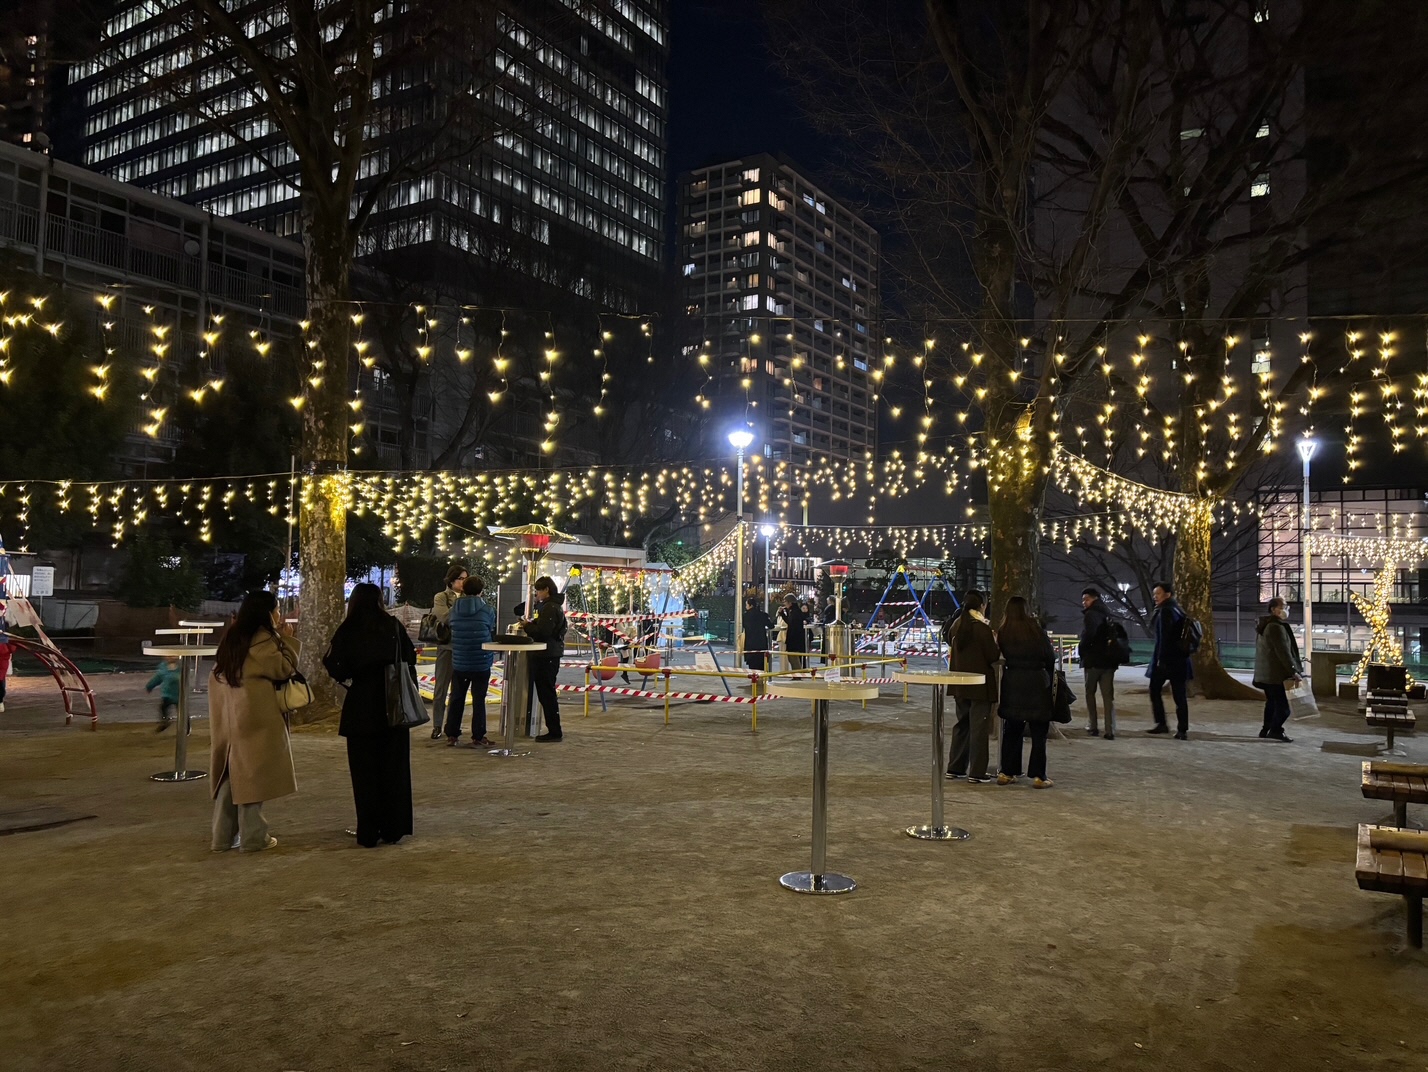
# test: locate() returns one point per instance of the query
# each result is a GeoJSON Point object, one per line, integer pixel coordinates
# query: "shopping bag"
{"type": "Point", "coordinates": [1301, 699]}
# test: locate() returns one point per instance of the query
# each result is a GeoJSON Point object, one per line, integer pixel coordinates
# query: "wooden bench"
{"type": "Point", "coordinates": [1392, 720]}
{"type": "Point", "coordinates": [1401, 873]}
{"type": "Point", "coordinates": [1406, 784]}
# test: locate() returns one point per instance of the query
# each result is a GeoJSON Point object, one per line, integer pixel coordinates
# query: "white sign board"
{"type": "Point", "coordinates": [42, 581]}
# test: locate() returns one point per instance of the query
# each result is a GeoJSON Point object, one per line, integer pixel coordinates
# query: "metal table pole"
{"type": "Point", "coordinates": [937, 830]}
{"type": "Point", "coordinates": [181, 773]}
{"type": "Point", "coordinates": [816, 880]}
{"type": "Point", "coordinates": [515, 697]}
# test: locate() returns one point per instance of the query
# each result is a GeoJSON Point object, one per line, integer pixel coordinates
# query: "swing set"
{"type": "Point", "coordinates": [912, 630]}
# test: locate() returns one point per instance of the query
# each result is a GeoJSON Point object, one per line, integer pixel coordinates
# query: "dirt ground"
{"type": "Point", "coordinates": [611, 902]}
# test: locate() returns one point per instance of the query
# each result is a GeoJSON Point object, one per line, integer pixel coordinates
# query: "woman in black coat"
{"type": "Point", "coordinates": [756, 634]}
{"type": "Point", "coordinates": [378, 755]}
{"type": "Point", "coordinates": [795, 637]}
{"type": "Point", "coordinates": [1027, 676]}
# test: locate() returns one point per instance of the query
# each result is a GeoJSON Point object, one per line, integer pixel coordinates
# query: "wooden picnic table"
{"type": "Point", "coordinates": [1390, 871]}
{"type": "Point", "coordinates": [1401, 783]}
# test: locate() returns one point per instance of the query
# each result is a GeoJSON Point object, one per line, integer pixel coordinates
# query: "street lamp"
{"type": "Point", "coordinates": [768, 531]}
{"type": "Point", "coordinates": [739, 439]}
{"type": "Point", "coordinates": [1307, 448]}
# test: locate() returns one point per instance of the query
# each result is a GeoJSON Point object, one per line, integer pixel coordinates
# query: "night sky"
{"type": "Point", "coordinates": [726, 99]}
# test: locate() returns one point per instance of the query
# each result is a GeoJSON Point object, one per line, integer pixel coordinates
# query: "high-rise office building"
{"type": "Point", "coordinates": [569, 195]}
{"type": "Point", "coordinates": [781, 293]}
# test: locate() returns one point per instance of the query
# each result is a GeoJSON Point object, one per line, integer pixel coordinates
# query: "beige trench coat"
{"type": "Point", "coordinates": [249, 736]}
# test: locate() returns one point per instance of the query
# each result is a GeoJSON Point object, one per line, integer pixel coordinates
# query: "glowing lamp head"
{"type": "Point", "coordinates": [534, 541]}
{"type": "Point", "coordinates": [740, 438]}
{"type": "Point", "coordinates": [837, 568]}
{"type": "Point", "coordinates": [1307, 449]}
{"type": "Point", "coordinates": [768, 531]}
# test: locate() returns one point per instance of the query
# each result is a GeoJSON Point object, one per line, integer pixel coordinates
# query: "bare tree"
{"type": "Point", "coordinates": [1055, 170]}
{"type": "Point", "coordinates": [344, 102]}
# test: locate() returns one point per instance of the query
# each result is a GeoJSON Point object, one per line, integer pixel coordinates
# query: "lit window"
{"type": "Point", "coordinates": [689, 268]}
{"type": "Point", "coordinates": [1263, 131]}
{"type": "Point", "coordinates": [751, 301]}
{"type": "Point", "coordinates": [751, 175]}
{"type": "Point", "coordinates": [1260, 187]}
{"type": "Point", "coordinates": [1192, 133]}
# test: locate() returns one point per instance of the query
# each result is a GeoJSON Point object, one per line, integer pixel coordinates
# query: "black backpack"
{"type": "Point", "coordinates": [1112, 643]}
{"type": "Point", "coordinates": [1190, 636]}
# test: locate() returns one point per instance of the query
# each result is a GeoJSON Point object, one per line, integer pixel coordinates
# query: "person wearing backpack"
{"type": "Point", "coordinates": [436, 629]}
{"type": "Point", "coordinates": [1276, 664]}
{"type": "Point", "coordinates": [1176, 638]}
{"type": "Point", "coordinates": [1103, 647]}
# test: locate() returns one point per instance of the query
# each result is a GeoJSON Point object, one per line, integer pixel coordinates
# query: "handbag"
{"type": "Point", "coordinates": [1062, 698]}
{"type": "Point", "coordinates": [293, 693]}
{"type": "Point", "coordinates": [405, 707]}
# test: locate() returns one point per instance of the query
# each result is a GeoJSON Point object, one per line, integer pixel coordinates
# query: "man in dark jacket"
{"type": "Point", "coordinates": [547, 625]}
{"type": "Point", "coordinates": [1168, 663]}
{"type": "Point", "coordinates": [972, 648]}
{"type": "Point", "coordinates": [1098, 661]}
{"type": "Point", "coordinates": [1276, 662]}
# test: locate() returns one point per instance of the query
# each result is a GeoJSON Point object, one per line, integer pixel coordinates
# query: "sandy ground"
{"type": "Point", "coordinates": [611, 902]}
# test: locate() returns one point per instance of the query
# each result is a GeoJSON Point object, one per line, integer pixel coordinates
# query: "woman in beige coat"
{"type": "Point", "coordinates": [251, 758]}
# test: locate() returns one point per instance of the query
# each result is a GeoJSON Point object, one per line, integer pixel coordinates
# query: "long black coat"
{"type": "Point", "coordinates": [358, 656]}
{"type": "Point", "coordinates": [796, 636]}
{"type": "Point", "coordinates": [1027, 677]}
{"type": "Point", "coordinates": [756, 629]}
{"type": "Point", "coordinates": [972, 648]}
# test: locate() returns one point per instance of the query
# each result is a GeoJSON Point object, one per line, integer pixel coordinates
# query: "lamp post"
{"type": "Point", "coordinates": [768, 531]}
{"type": "Point", "coordinates": [739, 439]}
{"type": "Point", "coordinates": [1307, 448]}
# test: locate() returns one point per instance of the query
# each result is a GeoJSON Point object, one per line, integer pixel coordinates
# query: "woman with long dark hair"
{"type": "Point", "coordinates": [756, 634]}
{"type": "Point", "coordinates": [378, 755]}
{"type": "Point", "coordinates": [250, 755]}
{"type": "Point", "coordinates": [1027, 683]}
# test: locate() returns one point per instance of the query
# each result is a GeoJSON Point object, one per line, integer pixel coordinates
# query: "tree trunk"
{"type": "Point", "coordinates": [1194, 592]}
{"type": "Point", "coordinates": [1016, 488]}
{"type": "Point", "coordinates": [323, 517]}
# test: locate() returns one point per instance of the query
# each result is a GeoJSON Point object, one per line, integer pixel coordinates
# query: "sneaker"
{"type": "Point", "coordinates": [1181, 735]}
{"type": "Point", "coordinates": [1093, 733]}
{"type": "Point", "coordinates": [983, 780]}
{"type": "Point", "coordinates": [1264, 731]}
{"type": "Point", "coordinates": [452, 741]}
{"type": "Point", "coordinates": [1042, 783]}
{"type": "Point", "coordinates": [953, 776]}
{"type": "Point", "coordinates": [1159, 728]}
{"type": "Point", "coordinates": [1109, 737]}
{"type": "Point", "coordinates": [1006, 779]}
{"type": "Point", "coordinates": [484, 742]}
{"type": "Point", "coordinates": [271, 843]}
{"type": "Point", "coordinates": [1280, 737]}
{"type": "Point", "coordinates": [550, 737]}
{"type": "Point", "coordinates": [436, 734]}
{"type": "Point", "coordinates": [164, 724]}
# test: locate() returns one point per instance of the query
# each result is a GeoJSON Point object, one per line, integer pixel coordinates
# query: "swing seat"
{"type": "Point", "coordinates": [649, 664]}
{"type": "Point", "coordinates": [607, 675]}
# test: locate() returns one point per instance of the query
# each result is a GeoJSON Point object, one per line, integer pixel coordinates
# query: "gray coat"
{"type": "Point", "coordinates": [1027, 677]}
{"type": "Point", "coordinates": [1276, 653]}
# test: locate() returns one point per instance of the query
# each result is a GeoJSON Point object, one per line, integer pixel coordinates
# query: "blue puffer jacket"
{"type": "Point", "coordinates": [473, 622]}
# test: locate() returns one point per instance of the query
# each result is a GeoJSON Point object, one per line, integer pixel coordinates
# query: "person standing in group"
{"type": "Point", "coordinates": [441, 605]}
{"type": "Point", "coordinates": [7, 650]}
{"type": "Point", "coordinates": [166, 680]}
{"type": "Point", "coordinates": [1276, 664]}
{"type": "Point", "coordinates": [756, 634]}
{"type": "Point", "coordinates": [378, 754]}
{"type": "Point", "coordinates": [547, 625]}
{"type": "Point", "coordinates": [250, 755]}
{"type": "Point", "coordinates": [795, 635]}
{"type": "Point", "coordinates": [1100, 650]}
{"type": "Point", "coordinates": [809, 621]}
{"type": "Point", "coordinates": [1028, 681]}
{"type": "Point", "coordinates": [1168, 663]}
{"type": "Point", "coordinates": [972, 648]}
{"type": "Point", "coordinates": [473, 624]}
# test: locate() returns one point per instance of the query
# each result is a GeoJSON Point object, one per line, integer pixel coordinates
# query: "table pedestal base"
{"type": "Point", "coordinates": [178, 776]}
{"type": "Point", "coordinates": [807, 882]}
{"type": "Point", "coordinates": [927, 832]}
{"type": "Point", "coordinates": [507, 753]}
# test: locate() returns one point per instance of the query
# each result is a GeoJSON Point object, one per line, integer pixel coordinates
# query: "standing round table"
{"type": "Point", "coordinates": [937, 830]}
{"type": "Point", "coordinates": [181, 652]}
{"type": "Point", "coordinates": [203, 629]}
{"type": "Point", "coordinates": [816, 879]}
{"type": "Point", "coordinates": [515, 690]}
